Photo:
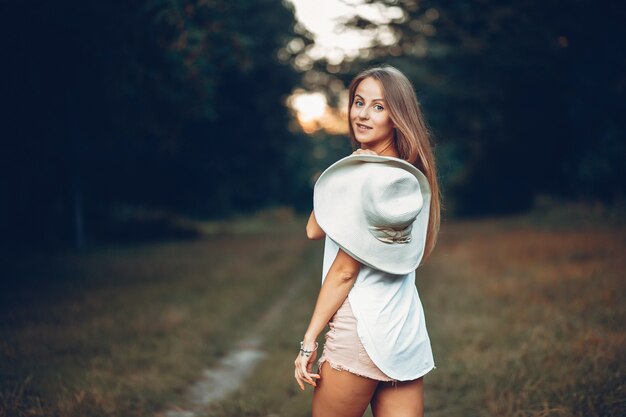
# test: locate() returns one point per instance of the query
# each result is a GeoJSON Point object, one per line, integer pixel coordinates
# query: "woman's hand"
{"type": "Point", "coordinates": [304, 365]}
{"type": "Point", "coordinates": [364, 152]}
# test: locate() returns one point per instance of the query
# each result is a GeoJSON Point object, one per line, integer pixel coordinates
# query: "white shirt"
{"type": "Point", "coordinates": [390, 319]}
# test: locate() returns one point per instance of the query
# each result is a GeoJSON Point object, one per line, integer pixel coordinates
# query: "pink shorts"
{"type": "Point", "coordinates": [343, 349]}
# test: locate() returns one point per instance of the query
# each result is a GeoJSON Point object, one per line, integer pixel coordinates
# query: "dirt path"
{"type": "Point", "coordinates": [232, 370]}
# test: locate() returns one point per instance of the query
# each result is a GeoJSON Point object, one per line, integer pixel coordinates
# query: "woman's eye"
{"type": "Point", "coordinates": [358, 103]}
{"type": "Point", "coordinates": [379, 107]}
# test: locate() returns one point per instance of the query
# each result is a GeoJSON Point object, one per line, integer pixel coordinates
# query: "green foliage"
{"type": "Point", "coordinates": [164, 103]}
{"type": "Point", "coordinates": [528, 94]}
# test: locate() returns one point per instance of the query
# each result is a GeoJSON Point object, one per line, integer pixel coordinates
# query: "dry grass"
{"type": "Point", "coordinates": [525, 317]}
{"type": "Point", "coordinates": [124, 330]}
{"type": "Point", "coordinates": [527, 321]}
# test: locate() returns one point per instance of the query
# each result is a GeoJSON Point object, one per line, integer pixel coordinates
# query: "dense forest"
{"type": "Point", "coordinates": [163, 104]}
{"type": "Point", "coordinates": [181, 106]}
{"type": "Point", "coordinates": [524, 98]}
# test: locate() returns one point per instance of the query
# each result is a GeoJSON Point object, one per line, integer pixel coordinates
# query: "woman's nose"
{"type": "Point", "coordinates": [363, 113]}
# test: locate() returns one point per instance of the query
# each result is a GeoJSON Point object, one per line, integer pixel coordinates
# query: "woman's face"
{"type": "Point", "coordinates": [369, 116]}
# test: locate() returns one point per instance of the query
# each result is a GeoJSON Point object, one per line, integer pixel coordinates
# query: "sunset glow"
{"type": "Point", "coordinates": [310, 106]}
{"type": "Point", "coordinates": [313, 114]}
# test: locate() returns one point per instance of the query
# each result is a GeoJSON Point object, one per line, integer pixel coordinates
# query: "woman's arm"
{"type": "Point", "coordinates": [335, 289]}
{"type": "Point", "coordinates": [313, 230]}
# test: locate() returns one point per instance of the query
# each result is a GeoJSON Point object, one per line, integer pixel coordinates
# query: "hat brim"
{"type": "Point", "coordinates": [338, 211]}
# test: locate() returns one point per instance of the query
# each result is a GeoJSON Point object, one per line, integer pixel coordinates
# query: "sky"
{"type": "Point", "coordinates": [322, 18]}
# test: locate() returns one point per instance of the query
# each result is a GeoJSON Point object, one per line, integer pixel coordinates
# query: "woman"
{"type": "Point", "coordinates": [379, 211]}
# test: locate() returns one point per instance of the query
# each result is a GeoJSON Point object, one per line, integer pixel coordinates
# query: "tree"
{"type": "Point", "coordinates": [162, 103]}
{"type": "Point", "coordinates": [525, 96]}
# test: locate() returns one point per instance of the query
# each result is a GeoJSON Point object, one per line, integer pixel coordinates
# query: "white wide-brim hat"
{"type": "Point", "coordinates": [376, 209]}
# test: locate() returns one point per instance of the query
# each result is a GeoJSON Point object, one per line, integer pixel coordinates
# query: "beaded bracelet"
{"type": "Point", "coordinates": [305, 352]}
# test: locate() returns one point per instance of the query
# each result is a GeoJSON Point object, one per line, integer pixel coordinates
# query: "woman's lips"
{"type": "Point", "coordinates": [362, 127]}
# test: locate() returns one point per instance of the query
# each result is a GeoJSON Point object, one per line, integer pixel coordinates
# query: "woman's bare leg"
{"type": "Point", "coordinates": [341, 393]}
{"type": "Point", "coordinates": [404, 399]}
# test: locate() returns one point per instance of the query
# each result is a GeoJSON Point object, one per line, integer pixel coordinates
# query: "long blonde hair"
{"type": "Point", "coordinates": [412, 137]}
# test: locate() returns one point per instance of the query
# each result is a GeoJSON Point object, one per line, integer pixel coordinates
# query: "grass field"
{"type": "Point", "coordinates": [525, 316]}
